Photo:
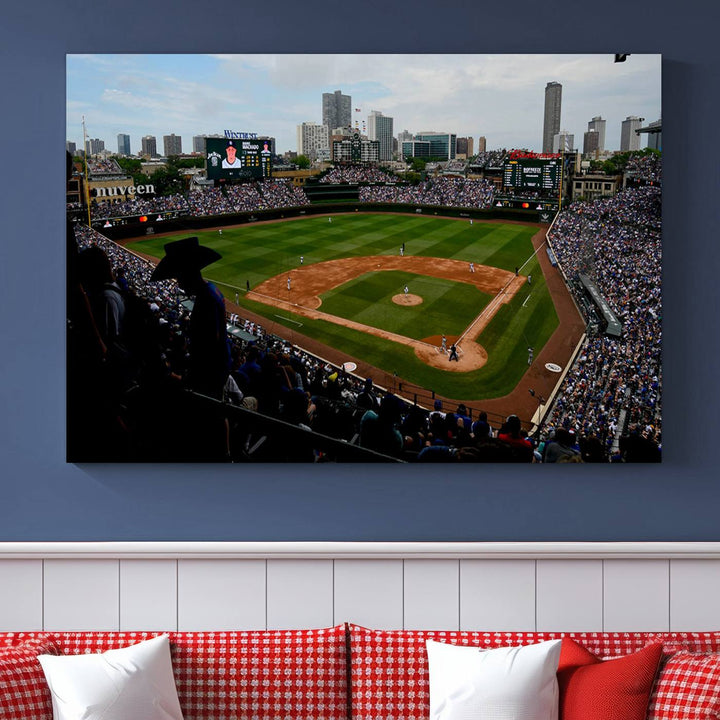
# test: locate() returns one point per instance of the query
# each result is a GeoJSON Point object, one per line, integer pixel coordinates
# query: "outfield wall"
{"type": "Point", "coordinates": [189, 223]}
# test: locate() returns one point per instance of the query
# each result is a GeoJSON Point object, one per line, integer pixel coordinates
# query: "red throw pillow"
{"type": "Point", "coordinates": [616, 689]}
{"type": "Point", "coordinates": [24, 692]}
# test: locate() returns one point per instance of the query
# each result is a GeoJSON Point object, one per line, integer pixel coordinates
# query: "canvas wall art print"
{"type": "Point", "coordinates": [364, 258]}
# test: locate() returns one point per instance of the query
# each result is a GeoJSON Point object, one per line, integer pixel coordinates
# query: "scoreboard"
{"type": "Point", "coordinates": [532, 174]}
{"type": "Point", "coordinates": [237, 159]}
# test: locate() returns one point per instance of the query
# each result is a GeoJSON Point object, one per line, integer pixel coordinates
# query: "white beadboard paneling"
{"type": "Point", "coordinates": [569, 595]}
{"type": "Point", "coordinates": [497, 595]}
{"type": "Point", "coordinates": [221, 595]}
{"type": "Point", "coordinates": [81, 595]}
{"type": "Point", "coordinates": [636, 595]}
{"type": "Point", "coordinates": [431, 591]}
{"type": "Point", "coordinates": [148, 595]}
{"type": "Point", "coordinates": [21, 601]}
{"type": "Point", "coordinates": [369, 593]}
{"type": "Point", "coordinates": [299, 594]}
{"type": "Point", "coordinates": [694, 595]}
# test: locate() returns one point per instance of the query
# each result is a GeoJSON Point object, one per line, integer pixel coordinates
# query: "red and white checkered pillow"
{"type": "Point", "coordinates": [389, 669]}
{"type": "Point", "coordinates": [246, 675]}
{"type": "Point", "coordinates": [691, 642]}
{"type": "Point", "coordinates": [687, 688]}
{"type": "Point", "coordinates": [24, 692]}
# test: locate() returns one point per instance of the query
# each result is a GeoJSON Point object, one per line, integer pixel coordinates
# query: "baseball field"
{"type": "Point", "coordinates": [346, 282]}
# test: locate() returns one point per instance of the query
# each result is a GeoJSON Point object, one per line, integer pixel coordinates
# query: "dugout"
{"type": "Point", "coordinates": [613, 326]}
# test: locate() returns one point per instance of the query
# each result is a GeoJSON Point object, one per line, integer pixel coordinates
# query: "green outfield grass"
{"type": "Point", "coordinates": [256, 252]}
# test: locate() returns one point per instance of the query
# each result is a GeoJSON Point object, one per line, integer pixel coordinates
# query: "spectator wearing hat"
{"type": "Point", "coordinates": [208, 344]}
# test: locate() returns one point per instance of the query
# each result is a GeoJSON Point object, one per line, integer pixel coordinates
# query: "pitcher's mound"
{"type": "Point", "coordinates": [408, 299]}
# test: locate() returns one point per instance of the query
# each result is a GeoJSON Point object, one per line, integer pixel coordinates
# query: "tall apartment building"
{"type": "Point", "coordinates": [313, 140]}
{"type": "Point", "coordinates": [71, 147]}
{"type": "Point", "coordinates": [380, 128]}
{"type": "Point", "coordinates": [482, 144]}
{"type": "Point", "coordinates": [597, 123]}
{"type": "Point", "coordinates": [464, 147]}
{"type": "Point", "coordinates": [123, 144]}
{"type": "Point", "coordinates": [404, 136]}
{"type": "Point", "coordinates": [172, 144]}
{"type": "Point", "coordinates": [629, 139]}
{"type": "Point", "coordinates": [336, 110]}
{"type": "Point", "coordinates": [198, 143]}
{"type": "Point", "coordinates": [563, 141]}
{"type": "Point", "coordinates": [591, 142]}
{"type": "Point", "coordinates": [551, 118]}
{"type": "Point", "coordinates": [95, 146]}
{"type": "Point", "coordinates": [149, 146]}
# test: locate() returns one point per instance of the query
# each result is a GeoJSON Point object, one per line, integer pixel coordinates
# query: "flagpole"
{"type": "Point", "coordinates": [87, 186]}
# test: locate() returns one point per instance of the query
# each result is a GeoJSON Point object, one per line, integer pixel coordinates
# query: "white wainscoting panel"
{"type": "Point", "coordinates": [431, 594]}
{"type": "Point", "coordinates": [473, 586]}
{"type": "Point", "coordinates": [148, 595]}
{"type": "Point", "coordinates": [497, 595]}
{"type": "Point", "coordinates": [369, 593]}
{"type": "Point", "coordinates": [636, 595]}
{"type": "Point", "coordinates": [21, 595]}
{"type": "Point", "coordinates": [221, 595]}
{"type": "Point", "coordinates": [570, 595]}
{"type": "Point", "coordinates": [299, 594]}
{"type": "Point", "coordinates": [694, 594]}
{"type": "Point", "coordinates": [82, 594]}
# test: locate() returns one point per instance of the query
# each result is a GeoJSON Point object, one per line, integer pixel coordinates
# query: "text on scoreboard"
{"type": "Point", "coordinates": [535, 174]}
{"type": "Point", "coordinates": [237, 158]}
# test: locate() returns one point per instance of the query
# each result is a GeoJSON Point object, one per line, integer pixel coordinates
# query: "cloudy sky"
{"type": "Point", "coordinates": [498, 96]}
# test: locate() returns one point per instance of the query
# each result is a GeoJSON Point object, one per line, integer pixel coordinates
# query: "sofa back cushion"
{"type": "Point", "coordinates": [389, 669]}
{"type": "Point", "coordinates": [243, 675]}
{"type": "Point", "coordinates": [24, 693]}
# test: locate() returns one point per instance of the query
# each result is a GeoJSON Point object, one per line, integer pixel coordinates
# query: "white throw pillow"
{"type": "Point", "coordinates": [135, 682]}
{"type": "Point", "coordinates": [511, 683]}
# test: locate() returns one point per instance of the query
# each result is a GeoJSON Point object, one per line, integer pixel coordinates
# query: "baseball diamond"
{"type": "Point", "coordinates": [346, 299]}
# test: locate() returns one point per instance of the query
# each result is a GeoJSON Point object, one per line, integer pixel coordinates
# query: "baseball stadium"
{"type": "Point", "coordinates": [461, 317]}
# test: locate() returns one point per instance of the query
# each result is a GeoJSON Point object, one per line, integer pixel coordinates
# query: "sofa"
{"type": "Point", "coordinates": [357, 673]}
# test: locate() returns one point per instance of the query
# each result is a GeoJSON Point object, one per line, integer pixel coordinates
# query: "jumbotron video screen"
{"type": "Point", "coordinates": [236, 159]}
{"type": "Point", "coordinates": [532, 174]}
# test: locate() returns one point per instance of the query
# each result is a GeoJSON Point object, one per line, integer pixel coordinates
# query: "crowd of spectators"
{"type": "Point", "coordinates": [358, 174]}
{"type": "Point", "coordinates": [489, 159]}
{"type": "Point", "coordinates": [615, 383]}
{"type": "Point", "coordinates": [137, 205]}
{"type": "Point", "coordinates": [104, 166]}
{"type": "Point", "coordinates": [437, 191]}
{"type": "Point", "coordinates": [645, 168]}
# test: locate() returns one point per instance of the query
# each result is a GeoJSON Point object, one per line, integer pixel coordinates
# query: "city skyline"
{"type": "Point", "coordinates": [500, 97]}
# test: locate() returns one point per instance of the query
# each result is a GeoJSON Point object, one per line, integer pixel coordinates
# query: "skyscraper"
{"type": "Point", "coordinates": [629, 139]}
{"type": "Point", "coordinates": [597, 123]}
{"type": "Point", "coordinates": [71, 147]}
{"type": "Point", "coordinates": [172, 144]}
{"type": "Point", "coordinates": [123, 144]}
{"type": "Point", "coordinates": [149, 146]}
{"type": "Point", "coordinates": [563, 141]}
{"type": "Point", "coordinates": [336, 110]}
{"type": "Point", "coordinates": [551, 120]}
{"type": "Point", "coordinates": [313, 139]}
{"type": "Point", "coordinates": [591, 142]}
{"type": "Point", "coordinates": [95, 146]}
{"type": "Point", "coordinates": [482, 144]}
{"type": "Point", "coordinates": [380, 128]}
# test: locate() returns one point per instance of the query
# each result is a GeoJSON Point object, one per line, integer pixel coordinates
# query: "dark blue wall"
{"type": "Point", "coordinates": [42, 498]}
